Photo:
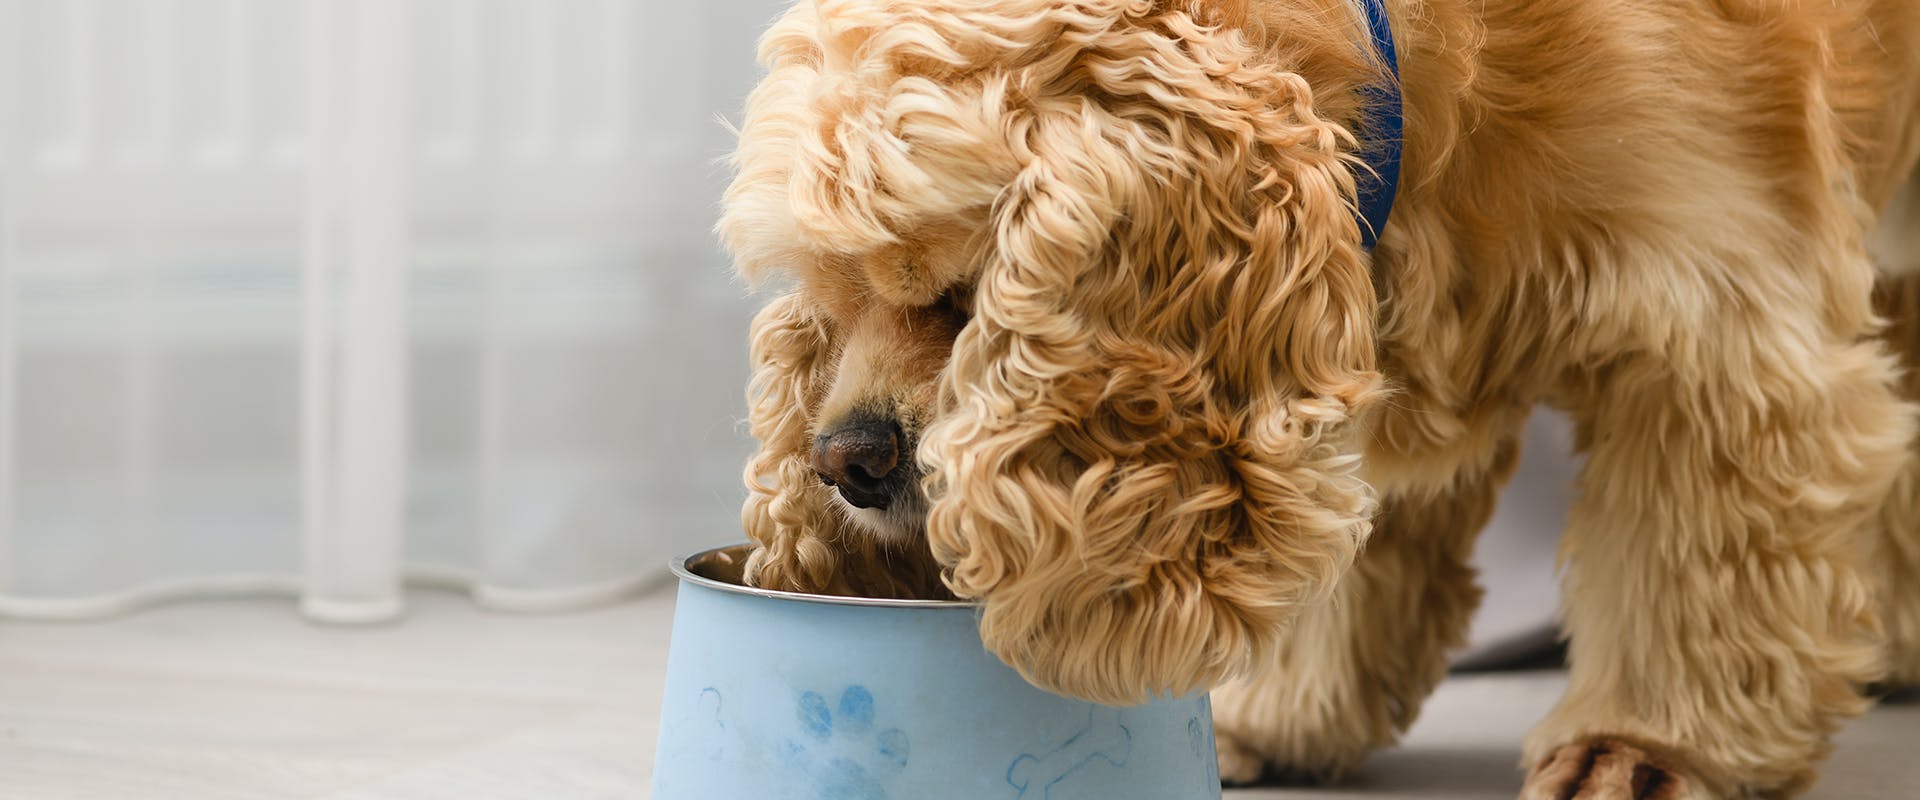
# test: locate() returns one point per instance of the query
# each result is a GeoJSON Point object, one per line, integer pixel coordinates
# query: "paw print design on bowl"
{"type": "Point", "coordinates": [838, 752]}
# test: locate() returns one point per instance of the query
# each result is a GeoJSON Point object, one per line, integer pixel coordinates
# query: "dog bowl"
{"type": "Point", "coordinates": [773, 695]}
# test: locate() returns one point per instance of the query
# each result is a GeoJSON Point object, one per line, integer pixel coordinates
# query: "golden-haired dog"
{"type": "Point", "coordinates": [1078, 323]}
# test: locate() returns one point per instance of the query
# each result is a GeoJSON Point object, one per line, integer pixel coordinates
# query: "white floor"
{"type": "Point", "coordinates": [239, 699]}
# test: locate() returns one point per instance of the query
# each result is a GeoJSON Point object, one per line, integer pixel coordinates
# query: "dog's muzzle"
{"type": "Point", "coordinates": [862, 459]}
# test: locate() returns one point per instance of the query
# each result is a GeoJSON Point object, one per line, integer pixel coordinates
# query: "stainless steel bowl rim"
{"type": "Point", "coordinates": [687, 575]}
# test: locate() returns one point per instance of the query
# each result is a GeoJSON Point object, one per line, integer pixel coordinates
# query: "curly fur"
{"type": "Point", "coordinates": [804, 545]}
{"type": "Point", "coordinates": [1138, 484]}
{"type": "Point", "coordinates": [1097, 259]}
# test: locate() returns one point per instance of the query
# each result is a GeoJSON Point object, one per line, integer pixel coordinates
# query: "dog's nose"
{"type": "Point", "coordinates": [857, 458]}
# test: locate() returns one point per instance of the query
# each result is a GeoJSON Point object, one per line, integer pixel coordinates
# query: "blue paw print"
{"type": "Point", "coordinates": [839, 752]}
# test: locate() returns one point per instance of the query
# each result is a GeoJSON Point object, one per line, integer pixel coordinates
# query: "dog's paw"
{"type": "Point", "coordinates": [1605, 769]}
{"type": "Point", "coordinates": [1240, 765]}
{"type": "Point", "coordinates": [1244, 765]}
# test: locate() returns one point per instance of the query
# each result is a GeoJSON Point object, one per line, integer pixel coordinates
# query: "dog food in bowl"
{"type": "Point", "coordinates": [775, 695]}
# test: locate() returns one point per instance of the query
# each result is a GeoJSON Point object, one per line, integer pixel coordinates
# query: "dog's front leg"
{"type": "Point", "coordinates": [1354, 671]}
{"type": "Point", "coordinates": [1720, 613]}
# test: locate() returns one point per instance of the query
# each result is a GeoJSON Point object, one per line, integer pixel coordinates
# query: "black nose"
{"type": "Point", "coordinates": [858, 458]}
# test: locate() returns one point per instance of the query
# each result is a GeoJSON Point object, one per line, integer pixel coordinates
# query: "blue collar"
{"type": "Point", "coordinates": [1380, 133]}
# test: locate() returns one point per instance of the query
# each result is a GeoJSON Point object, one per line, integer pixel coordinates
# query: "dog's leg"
{"type": "Point", "coordinates": [1721, 615]}
{"type": "Point", "coordinates": [1898, 563]}
{"type": "Point", "coordinates": [1355, 670]}
{"type": "Point", "coordinates": [1897, 527]}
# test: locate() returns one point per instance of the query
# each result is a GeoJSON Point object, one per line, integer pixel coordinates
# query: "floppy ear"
{"type": "Point", "coordinates": [802, 544]}
{"type": "Point", "coordinates": [1145, 459]}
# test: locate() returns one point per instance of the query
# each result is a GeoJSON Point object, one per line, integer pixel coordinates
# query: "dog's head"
{"type": "Point", "coordinates": [1078, 322]}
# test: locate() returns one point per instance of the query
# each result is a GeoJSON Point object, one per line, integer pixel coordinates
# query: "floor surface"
{"type": "Point", "coordinates": [241, 699]}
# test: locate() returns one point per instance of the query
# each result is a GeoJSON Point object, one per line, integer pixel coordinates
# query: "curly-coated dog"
{"type": "Point", "coordinates": [1079, 322]}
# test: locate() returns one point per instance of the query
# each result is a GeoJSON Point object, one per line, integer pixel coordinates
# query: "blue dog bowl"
{"type": "Point", "coordinates": [773, 695]}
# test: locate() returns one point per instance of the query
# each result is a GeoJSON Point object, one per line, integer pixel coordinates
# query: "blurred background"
{"type": "Point", "coordinates": [320, 296]}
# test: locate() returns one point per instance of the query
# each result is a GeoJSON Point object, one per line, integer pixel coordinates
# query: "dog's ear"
{"type": "Point", "coordinates": [786, 513]}
{"type": "Point", "coordinates": [802, 545]}
{"type": "Point", "coordinates": [1145, 459]}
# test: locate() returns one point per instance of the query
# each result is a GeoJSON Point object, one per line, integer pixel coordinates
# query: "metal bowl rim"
{"type": "Point", "coordinates": [686, 575]}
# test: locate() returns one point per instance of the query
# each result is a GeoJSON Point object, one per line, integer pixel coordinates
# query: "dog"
{"type": "Point", "coordinates": [1076, 320]}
